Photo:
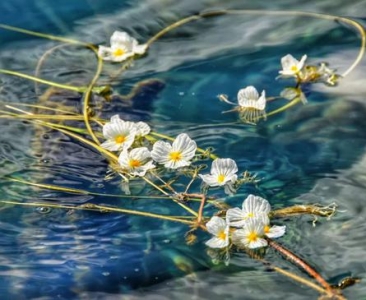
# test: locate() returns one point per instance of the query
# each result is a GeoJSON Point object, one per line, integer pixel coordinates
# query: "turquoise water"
{"type": "Point", "coordinates": [309, 154]}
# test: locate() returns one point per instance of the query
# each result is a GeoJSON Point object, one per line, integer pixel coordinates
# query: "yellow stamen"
{"type": "Point", "coordinates": [222, 235]}
{"type": "Point", "coordinates": [175, 156]}
{"type": "Point", "coordinates": [119, 139]}
{"type": "Point", "coordinates": [252, 237]}
{"type": "Point", "coordinates": [221, 178]}
{"type": "Point", "coordinates": [294, 69]}
{"type": "Point", "coordinates": [266, 229]}
{"type": "Point", "coordinates": [250, 215]}
{"type": "Point", "coordinates": [134, 163]}
{"type": "Point", "coordinates": [119, 52]}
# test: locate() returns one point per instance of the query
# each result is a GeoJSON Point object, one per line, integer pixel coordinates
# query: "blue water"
{"type": "Point", "coordinates": [309, 154]}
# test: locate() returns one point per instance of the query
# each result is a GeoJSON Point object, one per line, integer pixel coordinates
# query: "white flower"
{"type": "Point", "coordinates": [218, 227]}
{"type": "Point", "coordinates": [136, 162]}
{"type": "Point", "coordinates": [119, 134]}
{"type": "Point", "coordinates": [251, 235]}
{"type": "Point", "coordinates": [251, 105]}
{"type": "Point", "coordinates": [176, 155]}
{"type": "Point", "coordinates": [142, 129]}
{"type": "Point", "coordinates": [223, 173]}
{"type": "Point", "coordinates": [253, 207]}
{"type": "Point", "coordinates": [122, 47]}
{"type": "Point", "coordinates": [291, 66]}
{"type": "Point", "coordinates": [249, 98]}
{"type": "Point", "coordinates": [274, 231]}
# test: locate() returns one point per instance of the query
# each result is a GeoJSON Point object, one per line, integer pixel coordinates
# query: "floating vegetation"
{"type": "Point", "coordinates": [172, 166]}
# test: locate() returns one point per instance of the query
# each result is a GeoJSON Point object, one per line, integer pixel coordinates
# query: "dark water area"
{"type": "Point", "coordinates": [308, 154]}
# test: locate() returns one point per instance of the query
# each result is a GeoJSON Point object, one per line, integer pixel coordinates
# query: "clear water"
{"type": "Point", "coordinates": [309, 154]}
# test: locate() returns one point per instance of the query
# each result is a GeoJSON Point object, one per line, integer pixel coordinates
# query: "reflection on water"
{"type": "Point", "coordinates": [311, 154]}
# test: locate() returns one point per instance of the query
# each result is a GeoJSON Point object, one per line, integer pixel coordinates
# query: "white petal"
{"type": "Point", "coordinates": [217, 243]}
{"type": "Point", "coordinates": [256, 205]}
{"type": "Point", "coordinates": [239, 237]}
{"type": "Point", "coordinates": [141, 153]}
{"type": "Point", "coordinates": [276, 231]}
{"type": "Point", "coordinates": [301, 63]}
{"type": "Point", "coordinates": [121, 38]}
{"type": "Point", "coordinates": [209, 179]}
{"type": "Point", "coordinates": [249, 93]}
{"type": "Point", "coordinates": [288, 61]}
{"type": "Point", "coordinates": [186, 145]}
{"type": "Point", "coordinates": [105, 53]}
{"type": "Point", "coordinates": [258, 243]}
{"type": "Point", "coordinates": [124, 159]}
{"type": "Point", "coordinates": [110, 145]}
{"type": "Point", "coordinates": [216, 225]}
{"type": "Point", "coordinates": [142, 128]}
{"type": "Point", "coordinates": [235, 217]}
{"type": "Point", "coordinates": [225, 166]}
{"type": "Point", "coordinates": [261, 102]}
{"type": "Point", "coordinates": [229, 187]}
{"type": "Point", "coordinates": [171, 164]}
{"type": "Point", "coordinates": [140, 49]}
{"type": "Point", "coordinates": [160, 152]}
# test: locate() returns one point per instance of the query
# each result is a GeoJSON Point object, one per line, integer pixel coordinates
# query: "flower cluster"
{"type": "Point", "coordinates": [135, 158]}
{"type": "Point", "coordinates": [303, 73]}
{"type": "Point", "coordinates": [251, 106]}
{"type": "Point", "coordinates": [128, 137]}
{"type": "Point", "coordinates": [248, 226]}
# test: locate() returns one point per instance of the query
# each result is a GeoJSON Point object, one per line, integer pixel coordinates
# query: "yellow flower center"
{"type": "Point", "coordinates": [119, 52]}
{"type": "Point", "coordinates": [250, 215]}
{"type": "Point", "coordinates": [294, 69]}
{"type": "Point", "coordinates": [266, 229]}
{"type": "Point", "coordinates": [221, 178]}
{"type": "Point", "coordinates": [175, 156]}
{"type": "Point", "coordinates": [252, 237]}
{"type": "Point", "coordinates": [222, 235]}
{"type": "Point", "coordinates": [119, 139]}
{"type": "Point", "coordinates": [134, 163]}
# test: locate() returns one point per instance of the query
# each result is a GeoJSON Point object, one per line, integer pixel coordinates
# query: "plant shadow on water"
{"type": "Point", "coordinates": [306, 154]}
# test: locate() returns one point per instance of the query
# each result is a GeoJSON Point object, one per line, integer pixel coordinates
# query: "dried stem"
{"type": "Point", "coordinates": [303, 265]}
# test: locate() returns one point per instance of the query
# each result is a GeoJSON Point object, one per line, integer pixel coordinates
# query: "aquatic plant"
{"type": "Point", "coordinates": [137, 153]}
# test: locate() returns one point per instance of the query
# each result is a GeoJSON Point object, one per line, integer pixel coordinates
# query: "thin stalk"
{"type": "Point", "coordinates": [302, 264]}
{"type": "Point", "coordinates": [79, 191]}
{"type": "Point", "coordinates": [43, 35]}
{"type": "Point", "coordinates": [172, 197]}
{"type": "Point", "coordinates": [101, 208]}
{"type": "Point", "coordinates": [87, 97]}
{"type": "Point", "coordinates": [200, 210]}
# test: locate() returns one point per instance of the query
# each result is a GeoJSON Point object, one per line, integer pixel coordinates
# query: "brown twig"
{"type": "Point", "coordinates": [200, 210]}
{"type": "Point", "coordinates": [302, 264]}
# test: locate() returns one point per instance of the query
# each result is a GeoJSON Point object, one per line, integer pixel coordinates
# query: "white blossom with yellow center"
{"type": "Point", "coordinates": [136, 162]}
{"type": "Point", "coordinates": [274, 231]}
{"type": "Point", "coordinates": [249, 98]}
{"type": "Point", "coordinates": [291, 66]}
{"type": "Point", "coordinates": [251, 105]}
{"type": "Point", "coordinates": [223, 173]}
{"type": "Point", "coordinates": [253, 207]}
{"type": "Point", "coordinates": [251, 235]}
{"type": "Point", "coordinates": [122, 47]}
{"type": "Point", "coordinates": [119, 134]}
{"type": "Point", "coordinates": [220, 231]}
{"type": "Point", "coordinates": [176, 155]}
